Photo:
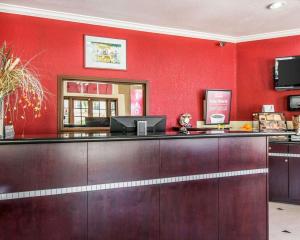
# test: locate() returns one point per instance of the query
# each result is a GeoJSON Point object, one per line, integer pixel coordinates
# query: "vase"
{"type": "Point", "coordinates": [1, 118]}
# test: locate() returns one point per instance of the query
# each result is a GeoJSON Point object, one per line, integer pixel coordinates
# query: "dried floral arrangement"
{"type": "Point", "coordinates": [20, 87]}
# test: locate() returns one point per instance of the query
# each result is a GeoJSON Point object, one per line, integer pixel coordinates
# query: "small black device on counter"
{"type": "Point", "coordinates": [125, 124]}
{"type": "Point", "coordinates": [141, 128]}
{"type": "Point", "coordinates": [294, 103]}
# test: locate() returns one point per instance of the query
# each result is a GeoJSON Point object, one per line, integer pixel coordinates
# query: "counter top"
{"type": "Point", "coordinates": [285, 142]}
{"type": "Point", "coordinates": [97, 137]}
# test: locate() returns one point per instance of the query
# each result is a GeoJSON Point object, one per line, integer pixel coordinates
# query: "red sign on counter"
{"type": "Point", "coordinates": [218, 104]}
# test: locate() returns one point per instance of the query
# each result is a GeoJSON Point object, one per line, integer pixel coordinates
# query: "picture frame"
{"type": "Point", "coordinates": [217, 106]}
{"type": "Point", "coordinates": [104, 53]}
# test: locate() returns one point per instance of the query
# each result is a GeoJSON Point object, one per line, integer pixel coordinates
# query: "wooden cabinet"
{"type": "Point", "coordinates": [294, 179]}
{"type": "Point", "coordinates": [243, 208]}
{"type": "Point", "coordinates": [278, 148]}
{"type": "Point", "coordinates": [294, 172]}
{"type": "Point", "coordinates": [189, 211]}
{"type": "Point", "coordinates": [124, 214]}
{"type": "Point", "coordinates": [279, 178]}
{"type": "Point", "coordinates": [284, 172]}
{"type": "Point", "coordinates": [44, 218]}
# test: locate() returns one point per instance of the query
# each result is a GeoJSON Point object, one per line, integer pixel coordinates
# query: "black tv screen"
{"type": "Point", "coordinates": [287, 73]}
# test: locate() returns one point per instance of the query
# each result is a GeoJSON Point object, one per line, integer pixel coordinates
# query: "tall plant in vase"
{"type": "Point", "coordinates": [18, 86]}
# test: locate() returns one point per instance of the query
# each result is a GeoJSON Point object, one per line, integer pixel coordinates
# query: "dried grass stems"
{"type": "Point", "coordinates": [18, 80]}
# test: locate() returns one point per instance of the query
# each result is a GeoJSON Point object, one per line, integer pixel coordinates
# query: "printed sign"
{"type": "Point", "coordinates": [136, 103]}
{"type": "Point", "coordinates": [218, 104]}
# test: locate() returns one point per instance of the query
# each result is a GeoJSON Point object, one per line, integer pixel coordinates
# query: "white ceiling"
{"type": "Point", "coordinates": [234, 18]}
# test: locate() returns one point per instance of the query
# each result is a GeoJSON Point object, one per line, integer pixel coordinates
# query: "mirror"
{"type": "Point", "coordinates": [87, 103]}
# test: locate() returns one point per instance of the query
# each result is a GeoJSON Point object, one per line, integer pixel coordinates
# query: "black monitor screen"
{"type": "Point", "coordinates": [128, 123]}
{"type": "Point", "coordinates": [97, 121]}
{"type": "Point", "coordinates": [287, 72]}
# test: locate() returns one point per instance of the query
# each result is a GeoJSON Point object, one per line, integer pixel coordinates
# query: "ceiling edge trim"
{"type": "Point", "coordinates": [270, 35]}
{"type": "Point", "coordinates": [35, 12]}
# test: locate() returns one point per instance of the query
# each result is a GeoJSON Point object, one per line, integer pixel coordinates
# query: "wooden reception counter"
{"type": "Point", "coordinates": [202, 186]}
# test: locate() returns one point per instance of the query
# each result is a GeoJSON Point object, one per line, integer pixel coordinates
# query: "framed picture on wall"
{"type": "Point", "coordinates": [217, 107]}
{"type": "Point", "coordinates": [104, 53]}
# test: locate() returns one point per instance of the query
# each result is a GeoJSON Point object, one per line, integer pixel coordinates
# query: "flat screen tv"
{"type": "Point", "coordinates": [287, 73]}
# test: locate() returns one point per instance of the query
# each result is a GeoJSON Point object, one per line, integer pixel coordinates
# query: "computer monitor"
{"type": "Point", "coordinates": [128, 123]}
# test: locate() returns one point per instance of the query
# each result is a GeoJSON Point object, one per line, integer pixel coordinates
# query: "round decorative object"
{"type": "Point", "coordinates": [185, 120]}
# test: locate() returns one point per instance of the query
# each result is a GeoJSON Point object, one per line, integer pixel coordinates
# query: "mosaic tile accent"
{"type": "Point", "coordinates": [131, 184]}
{"type": "Point", "coordinates": [284, 155]}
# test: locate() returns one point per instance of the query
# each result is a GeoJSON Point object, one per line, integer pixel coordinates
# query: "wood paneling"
{"type": "Point", "coordinates": [188, 156]}
{"type": "Point", "coordinates": [278, 148]}
{"type": "Point", "coordinates": [230, 208]}
{"type": "Point", "coordinates": [293, 148]}
{"type": "Point", "coordinates": [123, 161]}
{"type": "Point", "coordinates": [284, 174]}
{"type": "Point", "coordinates": [189, 211]}
{"type": "Point", "coordinates": [240, 153]}
{"type": "Point", "coordinates": [41, 166]}
{"type": "Point", "coordinates": [294, 179]}
{"type": "Point", "coordinates": [278, 178]}
{"type": "Point", "coordinates": [243, 208]}
{"type": "Point", "coordinates": [44, 218]}
{"type": "Point", "coordinates": [124, 214]}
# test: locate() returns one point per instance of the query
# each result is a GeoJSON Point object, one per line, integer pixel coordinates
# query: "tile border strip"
{"type": "Point", "coordinates": [284, 155]}
{"type": "Point", "coordinates": [129, 184]}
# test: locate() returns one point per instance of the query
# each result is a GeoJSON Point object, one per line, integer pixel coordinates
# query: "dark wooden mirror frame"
{"type": "Point", "coordinates": [60, 98]}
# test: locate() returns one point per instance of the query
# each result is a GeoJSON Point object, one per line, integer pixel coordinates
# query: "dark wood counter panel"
{"type": "Point", "coordinates": [189, 210]}
{"type": "Point", "coordinates": [188, 157]}
{"type": "Point", "coordinates": [243, 208]}
{"type": "Point", "coordinates": [55, 218]}
{"type": "Point", "coordinates": [30, 167]}
{"type": "Point", "coordinates": [284, 163]}
{"type": "Point", "coordinates": [159, 188]}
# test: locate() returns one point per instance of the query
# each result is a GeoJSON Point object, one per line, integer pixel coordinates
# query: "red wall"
{"type": "Point", "coordinates": [255, 62]}
{"type": "Point", "coordinates": [178, 69]}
